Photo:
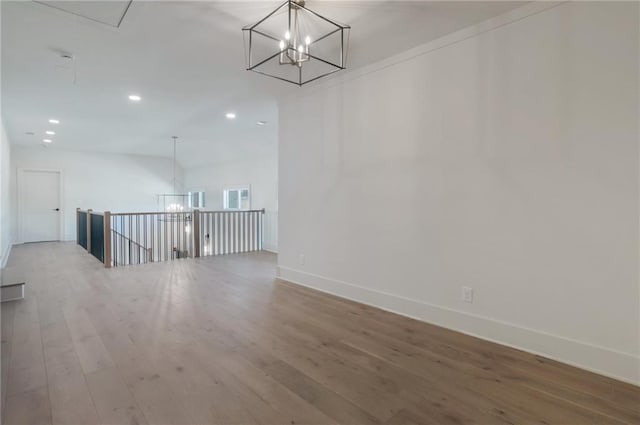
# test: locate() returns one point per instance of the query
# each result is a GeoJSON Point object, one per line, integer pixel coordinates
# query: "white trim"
{"type": "Point", "coordinates": [5, 256]}
{"type": "Point", "coordinates": [529, 9]}
{"type": "Point", "coordinates": [615, 364]}
{"type": "Point", "coordinates": [86, 19]}
{"type": "Point", "coordinates": [12, 291]}
{"type": "Point", "coordinates": [237, 187]}
{"type": "Point", "coordinates": [19, 183]}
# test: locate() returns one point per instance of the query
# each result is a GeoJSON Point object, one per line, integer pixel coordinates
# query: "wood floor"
{"type": "Point", "coordinates": [219, 341]}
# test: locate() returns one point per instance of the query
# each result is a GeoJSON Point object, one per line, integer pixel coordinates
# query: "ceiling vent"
{"type": "Point", "coordinates": [109, 13]}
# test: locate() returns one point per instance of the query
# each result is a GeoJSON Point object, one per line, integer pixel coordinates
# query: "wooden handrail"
{"type": "Point", "coordinates": [176, 234]}
{"type": "Point", "coordinates": [188, 212]}
{"type": "Point", "coordinates": [130, 240]}
{"type": "Point", "coordinates": [170, 212]}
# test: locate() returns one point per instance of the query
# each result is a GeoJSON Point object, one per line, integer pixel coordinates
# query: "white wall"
{"type": "Point", "coordinates": [260, 173]}
{"type": "Point", "coordinates": [503, 157]}
{"type": "Point", "coordinates": [103, 182]}
{"type": "Point", "coordinates": [5, 206]}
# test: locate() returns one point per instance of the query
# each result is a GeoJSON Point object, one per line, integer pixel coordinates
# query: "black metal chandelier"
{"type": "Point", "coordinates": [296, 44]}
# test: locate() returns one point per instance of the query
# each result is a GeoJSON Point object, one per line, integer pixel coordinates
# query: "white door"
{"type": "Point", "coordinates": [40, 205]}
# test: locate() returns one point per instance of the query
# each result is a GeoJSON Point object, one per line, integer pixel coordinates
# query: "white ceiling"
{"type": "Point", "coordinates": [186, 60]}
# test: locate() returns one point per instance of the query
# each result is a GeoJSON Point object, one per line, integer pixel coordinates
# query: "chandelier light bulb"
{"type": "Point", "coordinates": [293, 28]}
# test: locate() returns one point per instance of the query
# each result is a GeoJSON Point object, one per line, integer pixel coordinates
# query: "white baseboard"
{"type": "Point", "coordinates": [270, 248]}
{"type": "Point", "coordinates": [5, 256]}
{"type": "Point", "coordinates": [622, 366]}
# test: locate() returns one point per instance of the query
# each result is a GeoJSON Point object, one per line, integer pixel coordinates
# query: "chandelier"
{"type": "Point", "coordinates": [295, 44]}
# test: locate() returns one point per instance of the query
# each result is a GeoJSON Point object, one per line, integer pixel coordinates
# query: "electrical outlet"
{"type": "Point", "coordinates": [301, 259]}
{"type": "Point", "coordinates": [467, 294]}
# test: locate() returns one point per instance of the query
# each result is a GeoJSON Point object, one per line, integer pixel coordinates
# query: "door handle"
{"type": "Point", "coordinates": [56, 209]}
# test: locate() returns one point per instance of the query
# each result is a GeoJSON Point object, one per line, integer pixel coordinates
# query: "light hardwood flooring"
{"type": "Point", "coordinates": [219, 341]}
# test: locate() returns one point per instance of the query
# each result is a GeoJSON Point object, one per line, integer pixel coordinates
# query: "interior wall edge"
{"type": "Point", "coordinates": [611, 363]}
{"type": "Point", "coordinates": [5, 255]}
{"type": "Point", "coordinates": [507, 18]}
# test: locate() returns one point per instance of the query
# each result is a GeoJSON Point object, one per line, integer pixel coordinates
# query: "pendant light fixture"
{"type": "Point", "coordinates": [176, 205]}
{"type": "Point", "coordinates": [295, 44]}
{"type": "Point", "coordinates": [176, 202]}
{"type": "Point", "coordinates": [175, 141]}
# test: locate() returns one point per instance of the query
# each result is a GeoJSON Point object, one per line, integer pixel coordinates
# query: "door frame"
{"type": "Point", "coordinates": [20, 196]}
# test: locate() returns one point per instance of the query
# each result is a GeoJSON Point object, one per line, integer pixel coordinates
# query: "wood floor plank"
{"type": "Point", "coordinates": [413, 394]}
{"type": "Point", "coordinates": [320, 396]}
{"type": "Point", "coordinates": [30, 407]}
{"type": "Point", "coordinates": [218, 340]}
{"type": "Point", "coordinates": [71, 402]}
{"type": "Point", "coordinates": [506, 363]}
{"type": "Point", "coordinates": [345, 378]}
{"type": "Point", "coordinates": [209, 398]}
{"type": "Point", "coordinates": [112, 399]}
{"type": "Point", "coordinates": [251, 405]}
{"type": "Point", "coordinates": [408, 417]}
{"type": "Point", "coordinates": [292, 407]}
{"type": "Point", "coordinates": [91, 352]}
{"type": "Point", "coordinates": [26, 371]}
{"type": "Point", "coordinates": [60, 356]}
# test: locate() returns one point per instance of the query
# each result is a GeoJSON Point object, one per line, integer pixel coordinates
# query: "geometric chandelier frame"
{"type": "Point", "coordinates": [295, 44]}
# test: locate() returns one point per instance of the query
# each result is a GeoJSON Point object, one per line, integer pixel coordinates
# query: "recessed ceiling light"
{"type": "Point", "coordinates": [47, 140]}
{"type": "Point", "coordinates": [230, 115]}
{"type": "Point", "coordinates": [50, 133]}
{"type": "Point", "coordinates": [261, 123]}
{"type": "Point", "coordinates": [135, 97]}
{"type": "Point", "coordinates": [54, 121]}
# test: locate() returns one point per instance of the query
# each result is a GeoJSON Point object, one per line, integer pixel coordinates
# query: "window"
{"type": "Point", "coordinates": [196, 200]}
{"type": "Point", "coordinates": [237, 198]}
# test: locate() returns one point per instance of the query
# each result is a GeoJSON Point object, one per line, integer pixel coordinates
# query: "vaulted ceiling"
{"type": "Point", "coordinates": [186, 60]}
